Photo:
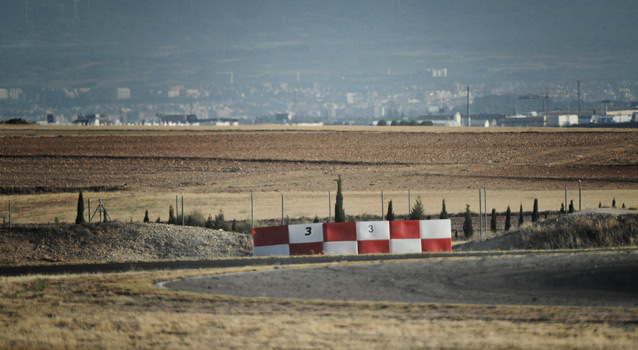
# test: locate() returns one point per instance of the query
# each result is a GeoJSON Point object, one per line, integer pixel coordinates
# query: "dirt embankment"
{"type": "Point", "coordinates": [587, 229]}
{"type": "Point", "coordinates": [116, 241]}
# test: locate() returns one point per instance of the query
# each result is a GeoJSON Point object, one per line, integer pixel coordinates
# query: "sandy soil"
{"type": "Point", "coordinates": [577, 279]}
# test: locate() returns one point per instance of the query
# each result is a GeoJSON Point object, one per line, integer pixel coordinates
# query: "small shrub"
{"type": "Point", "coordinates": [146, 219]}
{"type": "Point", "coordinates": [220, 222]}
{"type": "Point", "coordinates": [158, 221]}
{"type": "Point", "coordinates": [613, 203]}
{"type": "Point", "coordinates": [571, 206]}
{"type": "Point", "coordinates": [521, 219]}
{"type": "Point", "coordinates": [562, 208]}
{"type": "Point", "coordinates": [315, 220]}
{"type": "Point", "coordinates": [209, 222]}
{"type": "Point", "coordinates": [417, 212]}
{"type": "Point", "coordinates": [195, 218]}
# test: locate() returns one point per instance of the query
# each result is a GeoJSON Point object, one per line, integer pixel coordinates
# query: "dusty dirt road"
{"type": "Point", "coordinates": [577, 279]}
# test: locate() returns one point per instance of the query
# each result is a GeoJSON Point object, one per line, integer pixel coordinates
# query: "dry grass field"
{"type": "Point", "coordinates": [218, 168]}
{"type": "Point", "coordinates": [127, 310]}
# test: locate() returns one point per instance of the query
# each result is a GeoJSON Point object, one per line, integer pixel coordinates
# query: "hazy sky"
{"type": "Point", "coordinates": [108, 41]}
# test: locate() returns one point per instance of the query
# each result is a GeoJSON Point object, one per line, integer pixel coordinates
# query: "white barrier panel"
{"type": "Point", "coordinates": [405, 246]}
{"type": "Point", "coordinates": [373, 230]}
{"type": "Point", "coordinates": [272, 250]}
{"type": "Point", "coordinates": [434, 229]}
{"type": "Point", "coordinates": [340, 248]}
{"type": "Point", "coordinates": [305, 233]}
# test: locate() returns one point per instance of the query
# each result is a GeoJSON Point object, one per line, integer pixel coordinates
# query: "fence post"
{"type": "Point", "coordinates": [382, 200]}
{"type": "Point", "coordinates": [580, 197]}
{"type": "Point", "coordinates": [485, 209]}
{"type": "Point", "coordinates": [566, 211]}
{"type": "Point", "coordinates": [89, 210]}
{"type": "Point", "coordinates": [282, 210]}
{"type": "Point", "coordinates": [101, 208]}
{"type": "Point", "coordinates": [480, 214]}
{"type": "Point", "coordinates": [9, 213]}
{"type": "Point", "coordinates": [176, 210]}
{"type": "Point", "coordinates": [409, 204]}
{"type": "Point", "coordinates": [183, 211]}
{"type": "Point", "coordinates": [252, 210]}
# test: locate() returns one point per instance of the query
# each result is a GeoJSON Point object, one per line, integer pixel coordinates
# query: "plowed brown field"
{"type": "Point", "coordinates": [242, 160]}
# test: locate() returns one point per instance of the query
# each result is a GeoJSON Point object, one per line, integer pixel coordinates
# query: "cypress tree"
{"type": "Point", "coordinates": [146, 219]}
{"type": "Point", "coordinates": [520, 217]}
{"type": "Point", "coordinates": [571, 206]}
{"type": "Point", "coordinates": [468, 230]}
{"type": "Point", "coordinates": [79, 218]}
{"type": "Point", "coordinates": [417, 212]}
{"type": "Point", "coordinates": [171, 216]}
{"type": "Point", "coordinates": [443, 211]}
{"type": "Point", "coordinates": [613, 203]}
{"type": "Point", "coordinates": [508, 219]}
{"type": "Point", "coordinates": [390, 215]}
{"type": "Point", "coordinates": [340, 213]}
{"type": "Point", "coordinates": [493, 221]}
{"type": "Point", "coordinates": [535, 215]}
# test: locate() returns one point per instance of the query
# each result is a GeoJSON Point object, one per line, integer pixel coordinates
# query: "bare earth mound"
{"type": "Point", "coordinates": [116, 241]}
{"type": "Point", "coordinates": [597, 228]}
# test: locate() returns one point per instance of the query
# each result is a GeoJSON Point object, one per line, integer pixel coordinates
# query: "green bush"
{"type": "Point", "coordinates": [196, 218]}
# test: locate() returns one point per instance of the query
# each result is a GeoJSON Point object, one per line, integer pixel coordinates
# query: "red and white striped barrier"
{"type": "Point", "coordinates": [351, 238]}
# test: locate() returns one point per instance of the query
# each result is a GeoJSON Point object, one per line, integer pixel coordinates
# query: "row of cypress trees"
{"type": "Point", "coordinates": [417, 212]}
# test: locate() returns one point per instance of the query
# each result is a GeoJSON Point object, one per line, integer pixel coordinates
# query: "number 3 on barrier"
{"type": "Point", "coordinates": [370, 228]}
{"type": "Point", "coordinates": [308, 231]}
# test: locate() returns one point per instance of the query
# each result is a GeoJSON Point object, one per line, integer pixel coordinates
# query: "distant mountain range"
{"type": "Point", "coordinates": [63, 43]}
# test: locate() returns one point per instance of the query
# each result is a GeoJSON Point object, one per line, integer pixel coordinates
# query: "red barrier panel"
{"type": "Point", "coordinates": [315, 248]}
{"type": "Point", "coordinates": [374, 247]}
{"type": "Point", "coordinates": [405, 229]}
{"type": "Point", "coordinates": [270, 236]}
{"type": "Point", "coordinates": [436, 245]}
{"type": "Point", "coordinates": [340, 231]}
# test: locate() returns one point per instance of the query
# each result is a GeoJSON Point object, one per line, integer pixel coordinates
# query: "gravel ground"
{"type": "Point", "coordinates": [116, 241]}
{"type": "Point", "coordinates": [580, 279]}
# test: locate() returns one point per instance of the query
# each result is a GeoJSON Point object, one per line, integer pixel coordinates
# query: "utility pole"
{"type": "Point", "coordinates": [469, 120]}
{"type": "Point", "coordinates": [578, 83]}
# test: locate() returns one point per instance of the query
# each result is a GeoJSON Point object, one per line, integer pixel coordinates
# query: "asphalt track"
{"type": "Point", "coordinates": [571, 277]}
{"type": "Point", "coordinates": [566, 279]}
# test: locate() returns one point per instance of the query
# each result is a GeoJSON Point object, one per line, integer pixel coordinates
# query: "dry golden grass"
{"type": "Point", "coordinates": [131, 205]}
{"type": "Point", "coordinates": [127, 310]}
